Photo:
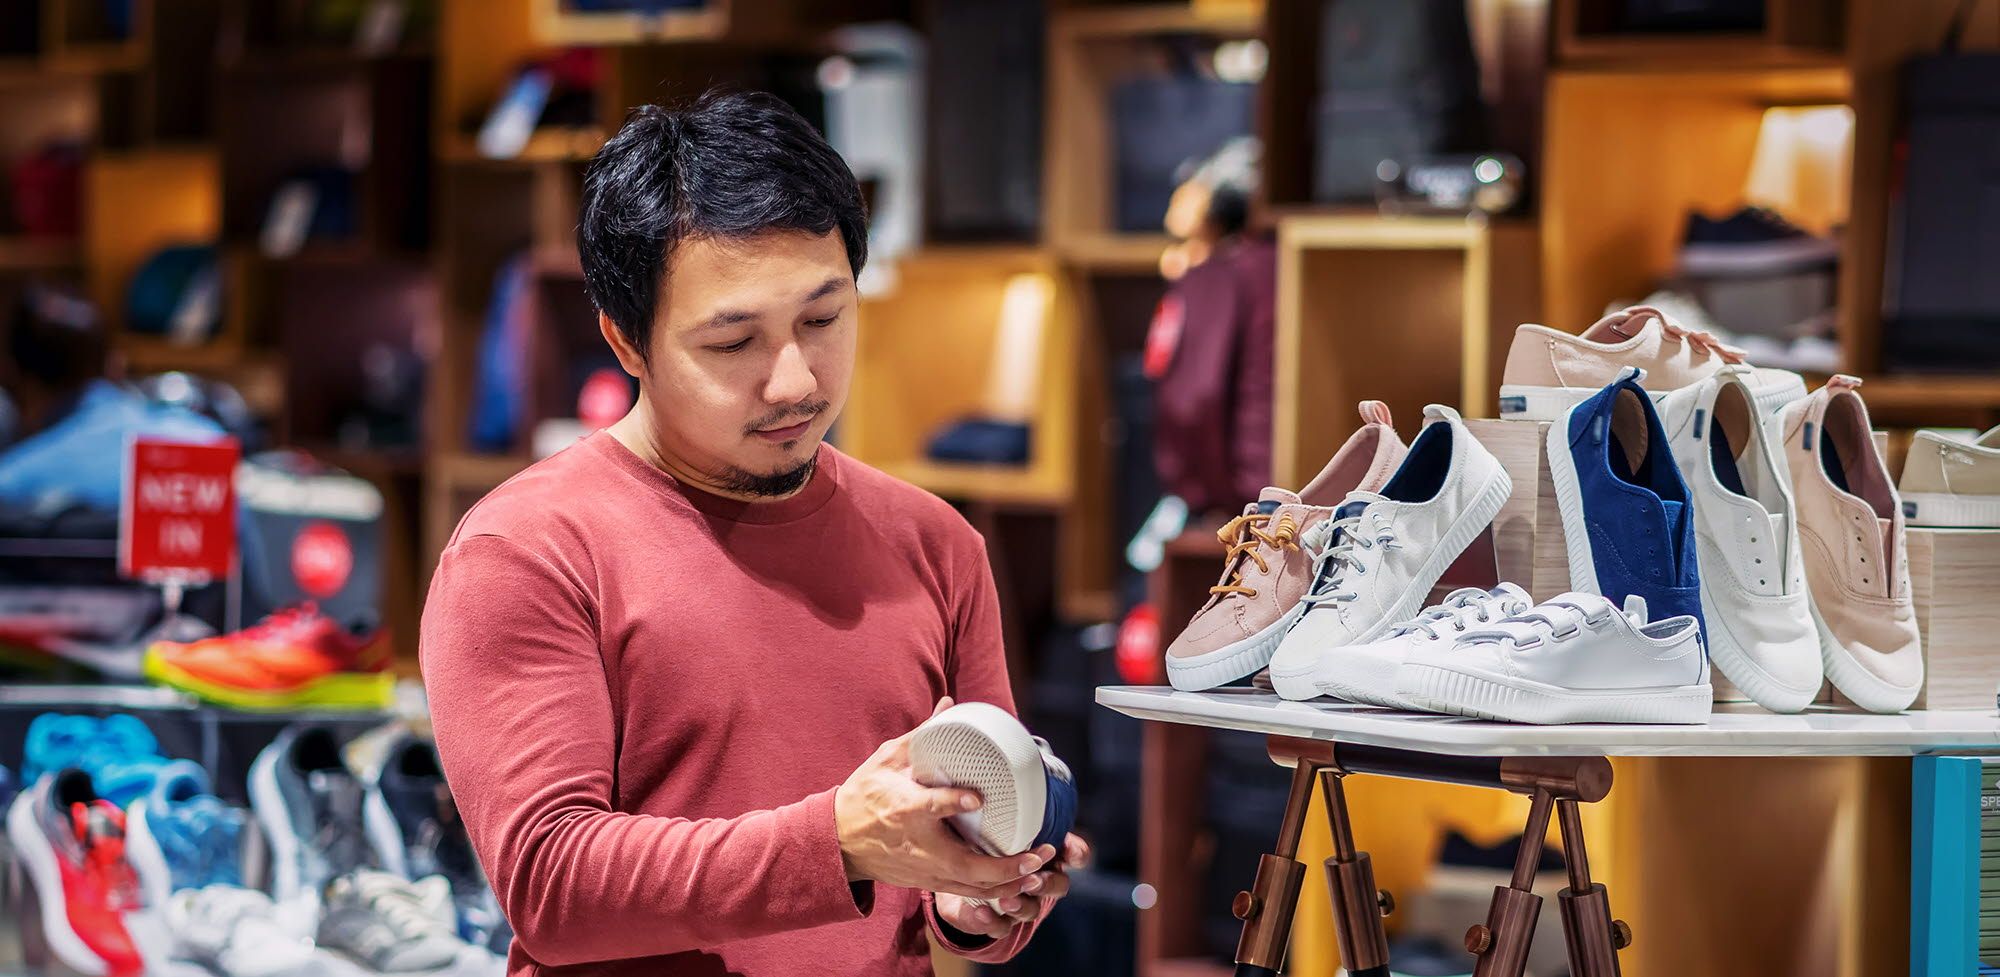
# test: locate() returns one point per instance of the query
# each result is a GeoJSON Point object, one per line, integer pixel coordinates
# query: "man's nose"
{"type": "Point", "coordinates": [791, 379]}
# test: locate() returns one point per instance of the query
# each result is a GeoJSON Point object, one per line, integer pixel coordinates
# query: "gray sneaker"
{"type": "Point", "coordinates": [390, 925]}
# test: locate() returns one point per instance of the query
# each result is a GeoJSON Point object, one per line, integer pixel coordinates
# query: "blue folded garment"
{"type": "Point", "coordinates": [981, 441]}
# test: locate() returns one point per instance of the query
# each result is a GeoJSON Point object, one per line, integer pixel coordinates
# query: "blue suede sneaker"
{"type": "Point", "coordinates": [1626, 514]}
{"type": "Point", "coordinates": [118, 751]}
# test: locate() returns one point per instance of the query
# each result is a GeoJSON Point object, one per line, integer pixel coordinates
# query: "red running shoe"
{"type": "Point", "coordinates": [72, 845]}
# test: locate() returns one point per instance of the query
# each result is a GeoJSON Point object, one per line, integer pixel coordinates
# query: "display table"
{"type": "Point", "coordinates": [1832, 839]}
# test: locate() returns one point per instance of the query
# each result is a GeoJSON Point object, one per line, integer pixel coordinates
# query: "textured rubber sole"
{"type": "Point", "coordinates": [1949, 511]}
{"type": "Point", "coordinates": [1482, 696]}
{"type": "Point", "coordinates": [341, 690]}
{"type": "Point", "coordinates": [1297, 684]}
{"type": "Point", "coordinates": [1856, 682]}
{"type": "Point", "coordinates": [1569, 505]}
{"type": "Point", "coordinates": [1755, 682]}
{"type": "Point", "coordinates": [1199, 673]}
{"type": "Point", "coordinates": [1520, 402]}
{"type": "Point", "coordinates": [1365, 678]}
{"type": "Point", "coordinates": [981, 746]}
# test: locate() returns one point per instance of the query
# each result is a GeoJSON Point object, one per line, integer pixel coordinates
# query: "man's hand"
{"type": "Point", "coordinates": [892, 830]}
{"type": "Point", "coordinates": [1041, 889]}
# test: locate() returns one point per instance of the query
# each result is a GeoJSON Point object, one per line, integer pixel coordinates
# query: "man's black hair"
{"type": "Point", "coordinates": [730, 165]}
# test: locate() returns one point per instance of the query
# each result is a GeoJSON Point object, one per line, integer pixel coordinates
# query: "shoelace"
{"type": "Point", "coordinates": [1246, 539]}
{"type": "Point", "coordinates": [1703, 340]}
{"type": "Point", "coordinates": [1449, 614]}
{"type": "Point", "coordinates": [1337, 545]}
{"type": "Point", "coordinates": [1555, 620]}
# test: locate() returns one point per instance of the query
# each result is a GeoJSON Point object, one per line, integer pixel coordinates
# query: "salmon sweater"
{"type": "Point", "coordinates": [645, 695]}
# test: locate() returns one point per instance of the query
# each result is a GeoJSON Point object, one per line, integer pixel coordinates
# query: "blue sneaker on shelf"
{"type": "Point", "coordinates": [121, 755]}
{"type": "Point", "coordinates": [1626, 514]}
{"type": "Point", "coordinates": [180, 836]}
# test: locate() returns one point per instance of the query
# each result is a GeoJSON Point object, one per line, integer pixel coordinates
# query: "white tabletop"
{"type": "Point", "coordinates": [1734, 730]}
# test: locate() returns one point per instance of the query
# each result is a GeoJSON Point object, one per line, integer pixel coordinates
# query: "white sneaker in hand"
{"type": "Point", "coordinates": [1574, 659]}
{"type": "Point", "coordinates": [1754, 601]}
{"type": "Point", "coordinates": [1378, 558]}
{"type": "Point", "coordinates": [1367, 673]}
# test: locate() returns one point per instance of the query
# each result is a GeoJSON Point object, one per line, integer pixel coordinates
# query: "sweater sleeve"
{"type": "Point", "coordinates": [978, 674]}
{"type": "Point", "coordinates": [523, 719]}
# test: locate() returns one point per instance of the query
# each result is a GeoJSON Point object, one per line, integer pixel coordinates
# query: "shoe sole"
{"type": "Point", "coordinates": [982, 747]}
{"type": "Point", "coordinates": [1947, 511]}
{"type": "Point", "coordinates": [341, 690]}
{"type": "Point", "coordinates": [1554, 403]}
{"type": "Point", "coordinates": [1298, 686]}
{"type": "Point", "coordinates": [1463, 692]}
{"type": "Point", "coordinates": [1362, 679]}
{"type": "Point", "coordinates": [33, 852]}
{"type": "Point", "coordinates": [1855, 681]}
{"type": "Point", "coordinates": [1199, 673]}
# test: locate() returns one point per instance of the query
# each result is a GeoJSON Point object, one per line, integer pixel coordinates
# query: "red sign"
{"type": "Point", "coordinates": [177, 516]}
{"type": "Point", "coordinates": [321, 559]}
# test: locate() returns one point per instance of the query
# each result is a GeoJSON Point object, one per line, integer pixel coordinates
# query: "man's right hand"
{"type": "Point", "coordinates": [892, 830]}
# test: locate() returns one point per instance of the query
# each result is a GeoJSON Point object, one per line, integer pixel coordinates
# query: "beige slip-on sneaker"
{"type": "Point", "coordinates": [1954, 483]}
{"type": "Point", "coordinates": [1265, 571]}
{"type": "Point", "coordinates": [1549, 371]}
{"type": "Point", "coordinates": [1851, 538]}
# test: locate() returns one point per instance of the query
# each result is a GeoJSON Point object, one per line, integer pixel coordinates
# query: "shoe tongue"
{"type": "Point", "coordinates": [1356, 501]}
{"type": "Point", "coordinates": [1511, 590]}
{"type": "Point", "coordinates": [1272, 497]}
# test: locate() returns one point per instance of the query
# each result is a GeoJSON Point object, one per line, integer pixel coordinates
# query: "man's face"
{"type": "Point", "coordinates": [752, 352]}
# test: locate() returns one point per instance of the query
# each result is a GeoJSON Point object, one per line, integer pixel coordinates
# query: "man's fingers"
{"type": "Point", "coordinates": [942, 705]}
{"type": "Point", "coordinates": [1021, 910]}
{"type": "Point", "coordinates": [983, 892]}
{"type": "Point", "coordinates": [972, 868]}
{"type": "Point", "coordinates": [1047, 885]}
{"type": "Point", "coordinates": [1076, 852]}
{"type": "Point", "coordinates": [947, 801]}
{"type": "Point", "coordinates": [986, 922]}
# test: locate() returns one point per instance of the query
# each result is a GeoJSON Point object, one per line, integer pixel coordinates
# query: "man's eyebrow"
{"type": "Point", "coordinates": [730, 317]}
{"type": "Point", "coordinates": [828, 287]}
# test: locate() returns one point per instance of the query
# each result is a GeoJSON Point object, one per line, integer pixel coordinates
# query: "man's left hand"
{"type": "Point", "coordinates": [1042, 889]}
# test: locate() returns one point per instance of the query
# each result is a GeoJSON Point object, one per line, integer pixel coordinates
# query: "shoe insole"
{"type": "Point", "coordinates": [1829, 459]}
{"type": "Point", "coordinates": [1722, 455]}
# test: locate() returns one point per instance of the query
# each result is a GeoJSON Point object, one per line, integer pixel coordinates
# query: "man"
{"type": "Point", "coordinates": [672, 668]}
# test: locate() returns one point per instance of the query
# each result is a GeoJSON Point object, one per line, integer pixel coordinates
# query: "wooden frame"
{"type": "Point", "coordinates": [1409, 311]}
{"type": "Point", "coordinates": [1794, 30]}
{"type": "Point", "coordinates": [1076, 176]}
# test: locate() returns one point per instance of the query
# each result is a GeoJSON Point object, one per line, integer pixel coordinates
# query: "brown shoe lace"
{"type": "Point", "coordinates": [1245, 537]}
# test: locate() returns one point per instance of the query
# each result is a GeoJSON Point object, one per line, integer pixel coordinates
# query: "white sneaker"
{"type": "Point", "coordinates": [1754, 601]}
{"type": "Point", "coordinates": [1574, 659]}
{"type": "Point", "coordinates": [1379, 557]}
{"type": "Point", "coordinates": [388, 924]}
{"type": "Point", "coordinates": [234, 931]}
{"type": "Point", "coordinates": [1367, 673]}
{"type": "Point", "coordinates": [1029, 795]}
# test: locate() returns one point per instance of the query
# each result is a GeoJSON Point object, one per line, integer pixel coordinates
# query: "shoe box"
{"type": "Point", "coordinates": [1528, 533]}
{"type": "Point", "coordinates": [1952, 574]}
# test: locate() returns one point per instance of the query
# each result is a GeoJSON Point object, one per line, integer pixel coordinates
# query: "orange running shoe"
{"type": "Point", "coordinates": [294, 659]}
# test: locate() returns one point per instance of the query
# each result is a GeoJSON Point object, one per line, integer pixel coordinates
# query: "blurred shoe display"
{"type": "Point", "coordinates": [119, 753]}
{"type": "Point", "coordinates": [389, 924]}
{"type": "Point", "coordinates": [70, 843]}
{"type": "Point", "coordinates": [309, 807]}
{"type": "Point", "coordinates": [295, 659]}
{"type": "Point", "coordinates": [180, 836]}
{"type": "Point", "coordinates": [234, 932]}
{"type": "Point", "coordinates": [414, 827]}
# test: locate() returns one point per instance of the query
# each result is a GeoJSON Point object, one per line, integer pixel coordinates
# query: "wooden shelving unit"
{"type": "Point", "coordinates": [1089, 49]}
{"type": "Point", "coordinates": [1793, 30]}
{"type": "Point", "coordinates": [1409, 311]}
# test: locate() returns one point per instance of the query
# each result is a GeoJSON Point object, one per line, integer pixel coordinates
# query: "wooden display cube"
{"type": "Point", "coordinates": [1528, 533]}
{"type": "Point", "coordinates": [1951, 575]}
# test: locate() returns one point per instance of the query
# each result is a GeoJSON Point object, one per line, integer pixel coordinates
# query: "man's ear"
{"type": "Point", "coordinates": [628, 354]}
